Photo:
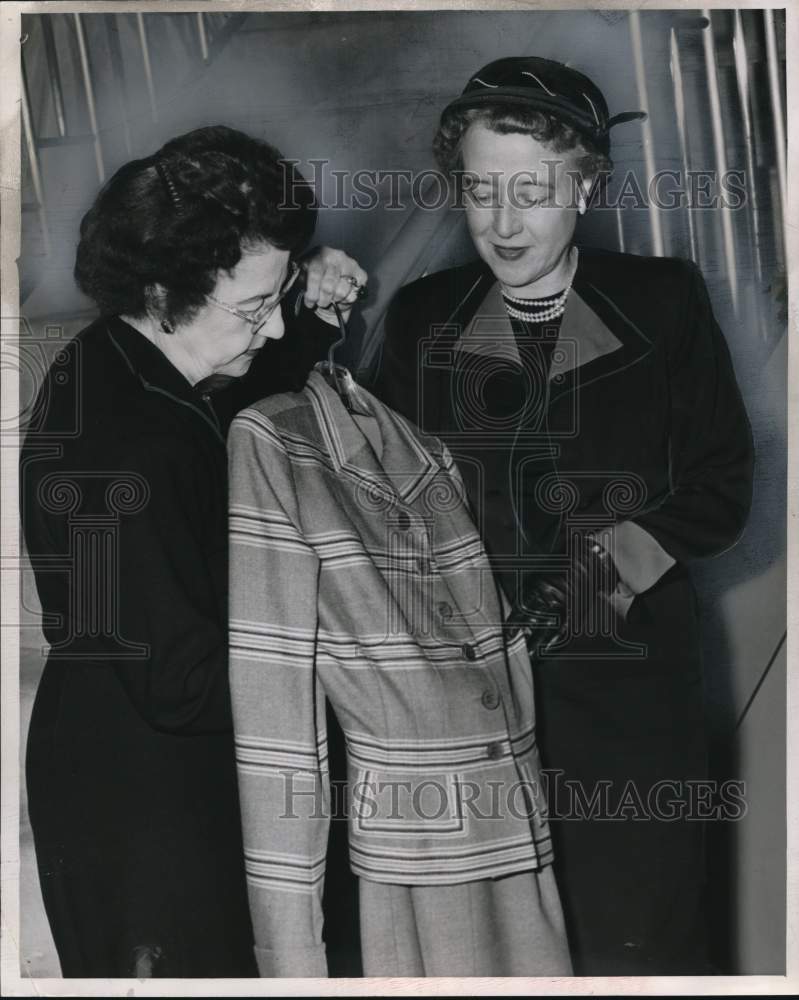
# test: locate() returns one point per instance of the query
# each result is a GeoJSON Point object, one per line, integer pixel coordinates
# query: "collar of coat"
{"type": "Point", "coordinates": [409, 460]}
{"type": "Point", "coordinates": [596, 337]}
{"type": "Point", "coordinates": [155, 373]}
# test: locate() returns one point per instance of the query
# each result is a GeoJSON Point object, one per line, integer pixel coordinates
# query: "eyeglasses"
{"type": "Point", "coordinates": [257, 317]}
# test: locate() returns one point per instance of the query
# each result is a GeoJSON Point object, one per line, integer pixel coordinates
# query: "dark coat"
{"type": "Point", "coordinates": [130, 766]}
{"type": "Point", "coordinates": [643, 424]}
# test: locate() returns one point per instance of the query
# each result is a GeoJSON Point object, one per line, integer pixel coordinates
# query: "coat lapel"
{"type": "Point", "coordinates": [598, 340]}
{"type": "Point", "coordinates": [596, 337]}
{"type": "Point", "coordinates": [584, 336]}
{"type": "Point", "coordinates": [405, 466]}
{"type": "Point", "coordinates": [489, 331]}
{"type": "Point", "coordinates": [437, 359]}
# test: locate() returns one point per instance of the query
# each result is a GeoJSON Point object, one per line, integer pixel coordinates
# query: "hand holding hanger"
{"type": "Point", "coordinates": [331, 277]}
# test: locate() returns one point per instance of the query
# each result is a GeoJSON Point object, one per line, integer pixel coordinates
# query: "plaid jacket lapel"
{"type": "Point", "coordinates": [406, 465]}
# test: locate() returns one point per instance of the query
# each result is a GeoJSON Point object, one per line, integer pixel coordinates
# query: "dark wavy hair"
{"type": "Point", "coordinates": [179, 217]}
{"type": "Point", "coordinates": [505, 118]}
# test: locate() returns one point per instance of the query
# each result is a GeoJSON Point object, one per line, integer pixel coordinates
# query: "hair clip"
{"type": "Point", "coordinates": [168, 181]}
{"type": "Point", "coordinates": [224, 204]}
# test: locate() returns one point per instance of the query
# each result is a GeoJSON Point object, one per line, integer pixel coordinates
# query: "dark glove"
{"type": "Point", "coordinates": [554, 603]}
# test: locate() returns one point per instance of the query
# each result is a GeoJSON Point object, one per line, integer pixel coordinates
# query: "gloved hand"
{"type": "Point", "coordinates": [553, 603]}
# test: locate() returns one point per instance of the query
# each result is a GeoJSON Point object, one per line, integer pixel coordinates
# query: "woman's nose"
{"type": "Point", "coordinates": [506, 221]}
{"type": "Point", "coordinates": [273, 327]}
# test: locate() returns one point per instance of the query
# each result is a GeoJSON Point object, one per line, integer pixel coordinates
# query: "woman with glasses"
{"type": "Point", "coordinates": [131, 780]}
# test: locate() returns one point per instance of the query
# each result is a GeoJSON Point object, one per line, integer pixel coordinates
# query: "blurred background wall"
{"type": "Point", "coordinates": [363, 91]}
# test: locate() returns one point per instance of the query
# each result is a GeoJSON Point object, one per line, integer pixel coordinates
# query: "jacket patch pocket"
{"type": "Point", "coordinates": [404, 804]}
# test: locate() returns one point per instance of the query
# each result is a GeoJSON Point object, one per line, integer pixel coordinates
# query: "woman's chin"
{"type": "Point", "coordinates": [237, 367]}
{"type": "Point", "coordinates": [524, 273]}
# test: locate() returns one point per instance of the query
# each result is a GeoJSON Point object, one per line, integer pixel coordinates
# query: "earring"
{"type": "Point", "coordinates": [166, 326]}
{"type": "Point", "coordinates": [585, 195]}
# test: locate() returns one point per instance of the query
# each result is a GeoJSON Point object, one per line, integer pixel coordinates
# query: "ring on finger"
{"type": "Point", "coordinates": [356, 286]}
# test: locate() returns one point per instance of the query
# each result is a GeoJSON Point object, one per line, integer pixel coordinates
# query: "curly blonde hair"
{"type": "Point", "coordinates": [505, 118]}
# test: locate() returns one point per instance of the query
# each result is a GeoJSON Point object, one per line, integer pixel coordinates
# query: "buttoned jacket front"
{"type": "Point", "coordinates": [357, 573]}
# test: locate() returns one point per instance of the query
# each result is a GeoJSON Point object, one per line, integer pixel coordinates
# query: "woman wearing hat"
{"type": "Point", "coordinates": [590, 402]}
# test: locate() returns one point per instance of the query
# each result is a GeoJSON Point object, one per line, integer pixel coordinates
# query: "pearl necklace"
{"type": "Point", "coordinates": [539, 316]}
{"type": "Point", "coordinates": [540, 310]}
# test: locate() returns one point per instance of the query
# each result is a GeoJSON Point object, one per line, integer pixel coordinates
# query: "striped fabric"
{"type": "Point", "coordinates": [360, 576]}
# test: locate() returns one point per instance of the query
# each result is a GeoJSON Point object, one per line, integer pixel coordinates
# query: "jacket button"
{"type": "Point", "coordinates": [444, 610]}
{"type": "Point", "coordinates": [489, 698]}
{"type": "Point", "coordinates": [469, 652]}
{"type": "Point", "coordinates": [403, 521]}
{"type": "Point", "coordinates": [494, 751]}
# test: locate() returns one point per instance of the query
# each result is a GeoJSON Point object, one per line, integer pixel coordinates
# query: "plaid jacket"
{"type": "Point", "coordinates": [357, 573]}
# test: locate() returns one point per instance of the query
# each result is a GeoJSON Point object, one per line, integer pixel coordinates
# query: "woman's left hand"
{"type": "Point", "coordinates": [554, 605]}
{"type": "Point", "coordinates": [332, 276]}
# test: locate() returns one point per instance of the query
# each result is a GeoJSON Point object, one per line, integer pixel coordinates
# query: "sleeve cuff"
{"type": "Point", "coordinates": [292, 963]}
{"type": "Point", "coordinates": [621, 599]}
{"type": "Point", "coordinates": [639, 559]}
